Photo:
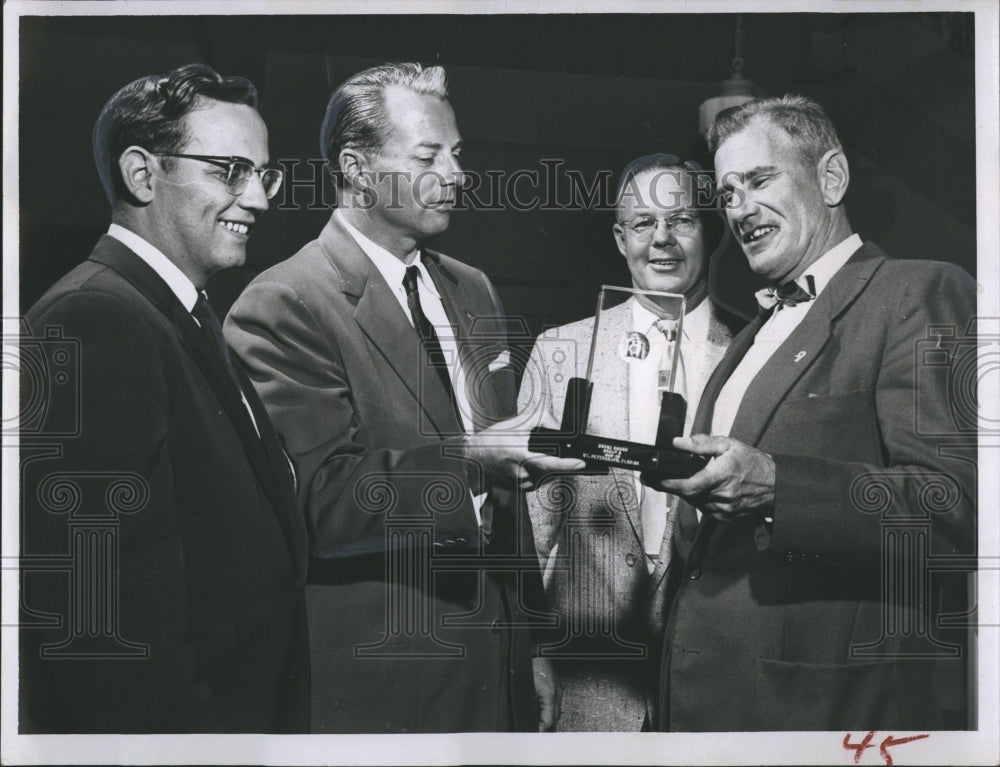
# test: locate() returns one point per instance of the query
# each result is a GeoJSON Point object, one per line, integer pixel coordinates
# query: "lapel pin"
{"type": "Point", "coordinates": [633, 346]}
{"type": "Point", "coordinates": [800, 355]}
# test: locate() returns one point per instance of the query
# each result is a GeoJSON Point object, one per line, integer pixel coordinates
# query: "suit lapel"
{"type": "Point", "coordinates": [609, 416]}
{"type": "Point", "coordinates": [716, 368]}
{"type": "Point", "coordinates": [778, 375]}
{"type": "Point", "coordinates": [463, 309]}
{"type": "Point", "coordinates": [719, 340]}
{"type": "Point", "coordinates": [802, 348]}
{"type": "Point", "coordinates": [117, 256]}
{"type": "Point", "coordinates": [381, 318]}
{"type": "Point", "coordinates": [736, 351]}
{"type": "Point", "coordinates": [687, 524]}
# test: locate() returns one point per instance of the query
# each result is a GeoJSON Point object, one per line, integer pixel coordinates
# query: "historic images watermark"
{"type": "Point", "coordinates": [90, 506]}
{"type": "Point", "coordinates": [549, 186]}
{"type": "Point", "coordinates": [70, 520]}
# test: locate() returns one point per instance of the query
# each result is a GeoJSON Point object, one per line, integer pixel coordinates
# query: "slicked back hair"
{"type": "Point", "coordinates": [355, 116]}
{"type": "Point", "coordinates": [802, 119]}
{"type": "Point", "coordinates": [150, 111]}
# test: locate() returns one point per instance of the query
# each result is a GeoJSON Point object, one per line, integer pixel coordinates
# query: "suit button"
{"type": "Point", "coordinates": [495, 626]}
{"type": "Point", "coordinates": [630, 560]}
{"type": "Point", "coordinates": [694, 574]}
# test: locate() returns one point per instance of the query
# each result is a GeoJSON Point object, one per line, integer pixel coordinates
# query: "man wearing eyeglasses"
{"type": "Point", "coordinates": [610, 589]}
{"type": "Point", "coordinates": [185, 611]}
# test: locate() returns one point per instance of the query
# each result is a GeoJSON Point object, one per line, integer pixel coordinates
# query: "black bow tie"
{"type": "Point", "coordinates": [789, 294]}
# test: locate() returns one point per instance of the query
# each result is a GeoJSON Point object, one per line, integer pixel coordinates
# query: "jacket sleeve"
{"type": "Point", "coordinates": [98, 501]}
{"type": "Point", "coordinates": [348, 487]}
{"type": "Point", "coordinates": [925, 470]}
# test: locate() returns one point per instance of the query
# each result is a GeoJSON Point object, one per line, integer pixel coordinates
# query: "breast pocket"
{"type": "Point", "coordinates": [840, 426]}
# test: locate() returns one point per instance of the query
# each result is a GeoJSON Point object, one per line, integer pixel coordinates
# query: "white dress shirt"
{"type": "Point", "coordinates": [171, 274]}
{"type": "Point", "coordinates": [774, 333]}
{"type": "Point", "coordinates": [168, 271]}
{"type": "Point", "coordinates": [393, 270]}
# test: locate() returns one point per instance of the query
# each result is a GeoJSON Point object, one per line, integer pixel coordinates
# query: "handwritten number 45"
{"type": "Point", "coordinates": [866, 743]}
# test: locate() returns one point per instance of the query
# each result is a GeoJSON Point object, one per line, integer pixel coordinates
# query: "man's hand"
{"type": "Point", "coordinates": [502, 452]}
{"type": "Point", "coordinates": [548, 693]}
{"type": "Point", "coordinates": [737, 481]}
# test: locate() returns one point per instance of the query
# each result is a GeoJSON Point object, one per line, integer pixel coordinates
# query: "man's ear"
{"type": "Point", "coordinates": [353, 165]}
{"type": "Point", "coordinates": [619, 232]}
{"type": "Point", "coordinates": [834, 177]}
{"type": "Point", "coordinates": [137, 175]}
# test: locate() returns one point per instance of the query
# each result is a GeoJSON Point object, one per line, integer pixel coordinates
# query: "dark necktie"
{"type": "Point", "coordinates": [211, 328]}
{"type": "Point", "coordinates": [789, 294]}
{"type": "Point", "coordinates": [427, 335]}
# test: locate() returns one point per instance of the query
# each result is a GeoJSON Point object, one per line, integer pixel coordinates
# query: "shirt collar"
{"type": "Point", "coordinates": [167, 270]}
{"type": "Point", "coordinates": [694, 322]}
{"type": "Point", "coordinates": [389, 266]}
{"type": "Point", "coordinates": [827, 265]}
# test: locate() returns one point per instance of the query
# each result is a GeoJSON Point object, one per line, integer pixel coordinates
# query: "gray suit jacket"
{"type": "Point", "coordinates": [403, 638]}
{"type": "Point", "coordinates": [805, 624]}
{"type": "Point", "coordinates": [588, 533]}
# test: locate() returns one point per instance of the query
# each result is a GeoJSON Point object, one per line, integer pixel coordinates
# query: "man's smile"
{"type": "Point", "coordinates": [757, 233]}
{"type": "Point", "coordinates": [237, 227]}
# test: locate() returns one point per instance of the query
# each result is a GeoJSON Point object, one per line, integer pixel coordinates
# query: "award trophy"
{"type": "Point", "coordinates": [655, 346]}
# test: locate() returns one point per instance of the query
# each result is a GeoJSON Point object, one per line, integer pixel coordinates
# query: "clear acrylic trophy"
{"type": "Point", "coordinates": [650, 337]}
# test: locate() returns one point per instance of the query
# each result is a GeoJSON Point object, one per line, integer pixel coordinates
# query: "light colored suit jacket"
{"type": "Point", "coordinates": [588, 533]}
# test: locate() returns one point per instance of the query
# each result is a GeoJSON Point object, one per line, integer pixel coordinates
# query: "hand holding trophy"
{"type": "Point", "coordinates": [658, 345]}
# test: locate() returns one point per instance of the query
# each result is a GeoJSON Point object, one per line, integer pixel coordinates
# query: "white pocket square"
{"type": "Point", "coordinates": [502, 361]}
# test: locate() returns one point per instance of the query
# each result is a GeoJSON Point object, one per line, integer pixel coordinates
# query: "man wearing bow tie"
{"type": "Point", "coordinates": [385, 367]}
{"type": "Point", "coordinates": [784, 609]}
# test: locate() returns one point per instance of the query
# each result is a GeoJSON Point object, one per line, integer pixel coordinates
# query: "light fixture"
{"type": "Point", "coordinates": [735, 91]}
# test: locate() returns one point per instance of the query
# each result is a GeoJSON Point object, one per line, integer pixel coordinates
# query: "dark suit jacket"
{"type": "Point", "coordinates": [400, 642]}
{"type": "Point", "coordinates": [144, 482]}
{"type": "Point", "coordinates": [806, 624]}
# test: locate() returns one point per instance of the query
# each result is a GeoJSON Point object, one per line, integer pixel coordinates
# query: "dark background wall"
{"type": "Point", "coordinates": [585, 93]}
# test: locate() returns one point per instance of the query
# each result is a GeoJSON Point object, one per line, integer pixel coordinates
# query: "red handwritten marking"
{"type": "Point", "coordinates": [866, 743]}
{"type": "Point", "coordinates": [891, 741]}
{"type": "Point", "coordinates": [859, 748]}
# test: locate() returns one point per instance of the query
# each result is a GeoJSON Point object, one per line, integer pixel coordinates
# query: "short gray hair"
{"type": "Point", "coordinates": [802, 119]}
{"type": "Point", "coordinates": [355, 116]}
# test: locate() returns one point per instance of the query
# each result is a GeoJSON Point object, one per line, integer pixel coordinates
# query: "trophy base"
{"type": "Point", "coordinates": [601, 453]}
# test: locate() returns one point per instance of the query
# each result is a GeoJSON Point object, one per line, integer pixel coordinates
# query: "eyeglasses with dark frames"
{"type": "Point", "coordinates": [238, 171]}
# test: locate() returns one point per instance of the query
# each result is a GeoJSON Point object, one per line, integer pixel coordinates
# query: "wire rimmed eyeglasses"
{"type": "Point", "coordinates": [679, 223]}
{"type": "Point", "coordinates": [238, 171]}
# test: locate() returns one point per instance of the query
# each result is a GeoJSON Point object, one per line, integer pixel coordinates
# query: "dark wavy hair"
{"type": "Point", "coordinates": [149, 113]}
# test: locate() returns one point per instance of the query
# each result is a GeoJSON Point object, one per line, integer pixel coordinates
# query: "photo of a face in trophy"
{"type": "Point", "coordinates": [641, 331]}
